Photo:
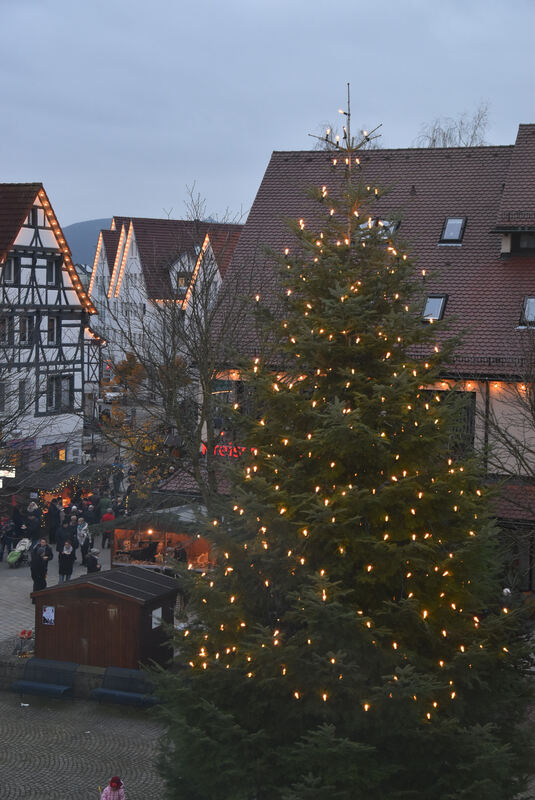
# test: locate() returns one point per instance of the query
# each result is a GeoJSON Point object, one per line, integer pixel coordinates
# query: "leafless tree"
{"type": "Point", "coordinates": [173, 355]}
{"type": "Point", "coordinates": [466, 130]}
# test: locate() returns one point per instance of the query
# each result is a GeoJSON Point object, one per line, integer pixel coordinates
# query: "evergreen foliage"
{"type": "Point", "coordinates": [351, 642]}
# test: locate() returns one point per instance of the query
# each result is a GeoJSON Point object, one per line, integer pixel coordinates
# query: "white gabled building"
{"type": "Point", "coordinates": [49, 356]}
{"type": "Point", "coordinates": [140, 262]}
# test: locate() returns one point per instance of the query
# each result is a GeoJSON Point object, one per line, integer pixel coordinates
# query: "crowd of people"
{"type": "Point", "coordinates": [59, 529]}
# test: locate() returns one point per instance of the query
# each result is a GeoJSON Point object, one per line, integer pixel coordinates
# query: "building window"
{"type": "Point", "coordinates": [33, 218]}
{"type": "Point", "coordinates": [8, 272]}
{"type": "Point", "coordinates": [60, 392]}
{"type": "Point", "coordinates": [22, 395]}
{"type": "Point", "coordinates": [54, 330]}
{"type": "Point", "coordinates": [53, 272]}
{"type": "Point", "coordinates": [2, 397]}
{"type": "Point", "coordinates": [523, 242]}
{"type": "Point", "coordinates": [26, 328]}
{"type": "Point", "coordinates": [453, 230]}
{"type": "Point", "coordinates": [434, 307]}
{"type": "Point", "coordinates": [528, 311]}
{"type": "Point", "coordinates": [7, 328]}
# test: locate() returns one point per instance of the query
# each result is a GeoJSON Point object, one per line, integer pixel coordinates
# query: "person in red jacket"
{"type": "Point", "coordinates": [107, 518]}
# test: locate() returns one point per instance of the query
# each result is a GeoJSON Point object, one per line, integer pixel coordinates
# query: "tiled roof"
{"type": "Point", "coordinates": [517, 206]}
{"type": "Point", "coordinates": [223, 243]}
{"type": "Point", "coordinates": [485, 291]}
{"type": "Point", "coordinates": [162, 242]}
{"type": "Point", "coordinates": [136, 583]}
{"type": "Point", "coordinates": [516, 502]}
{"type": "Point", "coordinates": [182, 482]}
{"type": "Point", "coordinates": [16, 199]}
{"type": "Point", "coordinates": [110, 240]}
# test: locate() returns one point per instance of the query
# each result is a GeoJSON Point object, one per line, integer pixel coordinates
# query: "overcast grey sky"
{"type": "Point", "coordinates": [116, 105]}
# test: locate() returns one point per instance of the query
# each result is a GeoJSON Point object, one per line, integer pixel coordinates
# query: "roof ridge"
{"type": "Point", "coordinates": [403, 149]}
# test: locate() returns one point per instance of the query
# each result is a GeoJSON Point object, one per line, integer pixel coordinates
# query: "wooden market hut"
{"type": "Point", "coordinates": [107, 619]}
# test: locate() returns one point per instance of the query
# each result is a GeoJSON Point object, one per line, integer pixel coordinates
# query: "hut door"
{"type": "Point", "coordinates": [104, 632]}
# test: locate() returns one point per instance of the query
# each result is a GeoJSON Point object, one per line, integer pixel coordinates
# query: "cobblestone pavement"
{"type": "Point", "coordinates": [60, 750]}
{"type": "Point", "coordinates": [16, 609]}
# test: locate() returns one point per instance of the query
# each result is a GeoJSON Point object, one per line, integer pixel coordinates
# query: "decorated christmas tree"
{"type": "Point", "coordinates": [352, 641]}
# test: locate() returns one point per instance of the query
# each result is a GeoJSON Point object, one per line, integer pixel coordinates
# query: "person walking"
{"type": "Point", "coordinates": [40, 557]}
{"type": "Point", "coordinates": [114, 790]}
{"type": "Point", "coordinates": [92, 563]}
{"type": "Point", "coordinates": [33, 526]}
{"type": "Point", "coordinates": [52, 521]}
{"type": "Point", "coordinates": [62, 534]}
{"type": "Point", "coordinates": [66, 562]}
{"type": "Point", "coordinates": [82, 535]}
{"type": "Point", "coordinates": [107, 533]}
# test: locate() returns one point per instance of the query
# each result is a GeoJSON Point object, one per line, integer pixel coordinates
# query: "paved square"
{"type": "Point", "coordinates": [59, 749]}
{"type": "Point", "coordinates": [17, 611]}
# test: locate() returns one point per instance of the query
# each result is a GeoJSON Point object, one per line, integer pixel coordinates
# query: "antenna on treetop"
{"type": "Point", "coordinates": [347, 145]}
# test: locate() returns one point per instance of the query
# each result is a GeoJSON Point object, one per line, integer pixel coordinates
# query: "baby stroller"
{"type": "Point", "coordinates": [21, 554]}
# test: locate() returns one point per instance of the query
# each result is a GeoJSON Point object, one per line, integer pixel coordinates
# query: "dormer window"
{"type": "Point", "coordinates": [528, 312]}
{"type": "Point", "coordinates": [524, 242]}
{"type": "Point", "coordinates": [453, 230]}
{"type": "Point", "coordinates": [434, 307]}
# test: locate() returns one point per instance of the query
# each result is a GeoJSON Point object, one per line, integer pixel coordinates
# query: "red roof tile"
{"type": "Point", "coordinates": [163, 242]}
{"type": "Point", "coordinates": [110, 240]}
{"type": "Point", "coordinates": [485, 291]}
{"type": "Point", "coordinates": [16, 199]}
{"type": "Point", "coordinates": [517, 206]}
{"type": "Point", "coordinates": [516, 502]}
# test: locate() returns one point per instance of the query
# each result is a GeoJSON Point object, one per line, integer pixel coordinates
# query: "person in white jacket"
{"type": "Point", "coordinates": [114, 790]}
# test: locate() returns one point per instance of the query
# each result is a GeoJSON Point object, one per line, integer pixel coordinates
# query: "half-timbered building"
{"type": "Point", "coordinates": [49, 357]}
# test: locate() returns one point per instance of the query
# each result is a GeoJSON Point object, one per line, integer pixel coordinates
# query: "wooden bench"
{"type": "Point", "coordinates": [126, 686]}
{"type": "Point", "coordinates": [46, 677]}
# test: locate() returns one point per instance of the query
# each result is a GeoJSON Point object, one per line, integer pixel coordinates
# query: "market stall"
{"type": "Point", "coordinates": [159, 543]}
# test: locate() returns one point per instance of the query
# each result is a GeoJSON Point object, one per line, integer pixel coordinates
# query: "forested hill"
{"type": "Point", "coordinates": [82, 238]}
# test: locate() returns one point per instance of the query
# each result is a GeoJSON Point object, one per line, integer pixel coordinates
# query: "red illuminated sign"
{"type": "Point", "coordinates": [228, 450]}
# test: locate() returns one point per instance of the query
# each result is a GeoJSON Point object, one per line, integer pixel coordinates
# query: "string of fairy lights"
{"type": "Point", "coordinates": [441, 597]}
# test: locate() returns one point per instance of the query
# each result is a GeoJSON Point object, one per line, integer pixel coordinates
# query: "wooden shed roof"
{"type": "Point", "coordinates": [135, 583]}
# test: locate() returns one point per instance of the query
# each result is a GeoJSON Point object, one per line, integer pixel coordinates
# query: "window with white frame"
{"type": "Point", "coordinates": [60, 392]}
{"type": "Point", "coordinates": [54, 329]}
{"type": "Point", "coordinates": [434, 307]}
{"type": "Point", "coordinates": [53, 272]}
{"type": "Point", "coordinates": [26, 328]}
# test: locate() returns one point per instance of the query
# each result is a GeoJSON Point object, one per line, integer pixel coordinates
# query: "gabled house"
{"type": "Point", "coordinates": [467, 215]}
{"type": "Point", "coordinates": [49, 356]}
{"type": "Point", "coordinates": [142, 262]}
